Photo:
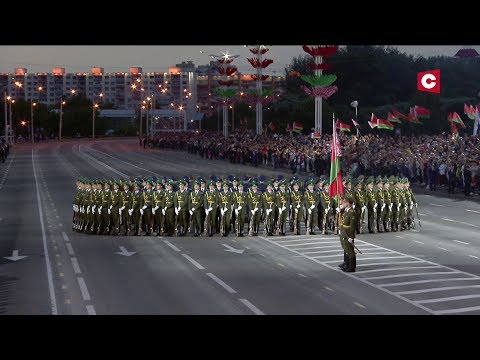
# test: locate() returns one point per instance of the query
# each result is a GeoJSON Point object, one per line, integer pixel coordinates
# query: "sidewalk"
{"type": "Point", "coordinates": [443, 192]}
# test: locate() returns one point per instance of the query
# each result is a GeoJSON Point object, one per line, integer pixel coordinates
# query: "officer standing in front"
{"type": "Point", "coordinates": [347, 235]}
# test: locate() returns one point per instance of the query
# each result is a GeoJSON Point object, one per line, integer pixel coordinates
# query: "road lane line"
{"type": "Point", "coordinates": [460, 222]}
{"type": "Point", "coordinates": [76, 268]}
{"type": "Point", "coordinates": [194, 262]}
{"type": "Point", "coordinates": [427, 281]}
{"type": "Point", "coordinates": [451, 298]}
{"type": "Point", "coordinates": [323, 238]}
{"type": "Point", "coordinates": [65, 236]}
{"type": "Point", "coordinates": [461, 242]}
{"type": "Point", "coordinates": [401, 268]}
{"type": "Point", "coordinates": [91, 310]}
{"type": "Point", "coordinates": [398, 236]}
{"type": "Point", "coordinates": [474, 211]}
{"type": "Point", "coordinates": [83, 289]}
{"type": "Point", "coordinates": [437, 205]}
{"type": "Point", "coordinates": [421, 291]}
{"type": "Point", "coordinates": [473, 256]}
{"type": "Point", "coordinates": [411, 274]}
{"type": "Point", "coordinates": [418, 242]}
{"type": "Point", "coordinates": [302, 275]}
{"type": "Point", "coordinates": [280, 265]}
{"type": "Point", "coordinates": [456, 311]}
{"type": "Point", "coordinates": [221, 283]}
{"type": "Point", "coordinates": [53, 299]}
{"type": "Point", "coordinates": [359, 305]}
{"type": "Point", "coordinates": [252, 307]}
{"type": "Point", "coordinates": [376, 258]}
{"type": "Point", "coordinates": [443, 248]}
{"type": "Point", "coordinates": [309, 243]}
{"type": "Point", "coordinates": [171, 245]}
{"type": "Point", "coordinates": [69, 249]}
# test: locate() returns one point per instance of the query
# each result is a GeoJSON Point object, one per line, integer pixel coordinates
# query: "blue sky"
{"type": "Point", "coordinates": [114, 58]}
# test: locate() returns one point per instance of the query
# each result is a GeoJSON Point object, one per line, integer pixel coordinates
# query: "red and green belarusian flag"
{"type": "Point", "coordinates": [454, 131]}
{"type": "Point", "coordinates": [343, 127]}
{"type": "Point", "coordinates": [384, 124]}
{"type": "Point", "coordinates": [373, 121]}
{"type": "Point", "coordinates": [297, 127]}
{"type": "Point", "coordinates": [412, 116]}
{"type": "Point", "coordinates": [422, 113]}
{"type": "Point", "coordinates": [454, 117]}
{"type": "Point", "coordinates": [272, 126]}
{"type": "Point", "coordinates": [392, 118]}
{"type": "Point", "coordinates": [397, 114]}
{"type": "Point", "coordinates": [336, 184]}
{"type": "Point", "coordinates": [469, 111]}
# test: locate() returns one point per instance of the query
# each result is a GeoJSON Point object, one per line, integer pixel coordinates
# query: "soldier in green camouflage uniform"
{"type": "Point", "coordinates": [411, 202]}
{"type": "Point", "coordinates": [75, 219]}
{"type": "Point", "coordinates": [255, 206]}
{"type": "Point", "coordinates": [240, 199]}
{"type": "Point", "coordinates": [114, 207]}
{"type": "Point", "coordinates": [157, 201]}
{"type": "Point", "coordinates": [225, 204]}
{"type": "Point", "coordinates": [168, 209]}
{"type": "Point", "coordinates": [297, 207]}
{"type": "Point", "coordinates": [380, 198]}
{"type": "Point", "coordinates": [196, 208]}
{"type": "Point", "coordinates": [181, 201]}
{"type": "Point", "coordinates": [395, 203]}
{"type": "Point", "coordinates": [283, 206]}
{"type": "Point", "coordinates": [269, 206]}
{"type": "Point", "coordinates": [387, 216]}
{"type": "Point", "coordinates": [370, 196]}
{"type": "Point", "coordinates": [88, 202]}
{"type": "Point", "coordinates": [359, 206]}
{"type": "Point", "coordinates": [125, 202]}
{"type": "Point", "coordinates": [402, 224]}
{"type": "Point", "coordinates": [328, 208]}
{"type": "Point", "coordinates": [347, 234]}
{"type": "Point", "coordinates": [134, 208]}
{"type": "Point", "coordinates": [104, 207]}
{"type": "Point", "coordinates": [312, 199]}
{"type": "Point", "coordinates": [97, 213]}
{"type": "Point", "coordinates": [210, 203]}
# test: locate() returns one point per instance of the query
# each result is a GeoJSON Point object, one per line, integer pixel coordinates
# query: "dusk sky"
{"type": "Point", "coordinates": [158, 58]}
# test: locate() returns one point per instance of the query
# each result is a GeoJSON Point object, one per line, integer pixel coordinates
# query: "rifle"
{"type": "Point", "coordinates": [162, 223]}
{"type": "Point", "coordinates": [307, 232]}
{"type": "Point", "coordinates": [190, 223]}
{"type": "Point", "coordinates": [205, 224]}
{"type": "Point", "coordinates": [324, 220]}
{"type": "Point", "coordinates": [375, 217]}
{"type": "Point", "coordinates": [222, 225]}
{"type": "Point", "coordinates": [362, 214]}
{"type": "Point", "coordinates": [176, 223]}
{"type": "Point", "coordinates": [237, 228]}
{"type": "Point", "coordinates": [250, 227]}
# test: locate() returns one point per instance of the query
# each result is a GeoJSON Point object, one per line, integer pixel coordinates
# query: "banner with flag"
{"type": "Point", "coordinates": [422, 113]}
{"type": "Point", "coordinates": [469, 111]}
{"type": "Point", "coordinates": [412, 116]}
{"type": "Point", "coordinates": [454, 117]}
{"type": "Point", "coordinates": [264, 128]}
{"type": "Point", "coordinates": [454, 131]}
{"type": "Point", "coordinates": [384, 124]}
{"type": "Point", "coordinates": [297, 127]}
{"type": "Point", "coordinates": [373, 121]}
{"type": "Point", "coordinates": [392, 118]}
{"type": "Point", "coordinates": [397, 114]}
{"type": "Point", "coordinates": [356, 124]}
{"type": "Point", "coordinates": [336, 183]}
{"type": "Point", "coordinates": [342, 127]}
{"type": "Point", "coordinates": [289, 128]}
{"type": "Point", "coordinates": [272, 126]}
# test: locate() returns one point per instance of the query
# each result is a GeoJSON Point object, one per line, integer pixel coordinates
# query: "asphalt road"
{"type": "Point", "coordinates": [434, 269]}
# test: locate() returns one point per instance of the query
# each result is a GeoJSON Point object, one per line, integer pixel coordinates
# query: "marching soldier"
{"type": "Point", "coordinates": [328, 207]}
{"type": "Point", "coordinates": [134, 208]}
{"type": "Point", "coordinates": [359, 207]}
{"type": "Point", "coordinates": [283, 206]}
{"type": "Point", "coordinates": [395, 212]}
{"type": "Point", "coordinates": [347, 235]}
{"type": "Point", "coordinates": [104, 209]}
{"type": "Point", "coordinates": [125, 203]}
{"type": "Point", "coordinates": [218, 189]}
{"type": "Point", "coordinates": [196, 208]}
{"type": "Point", "coordinates": [371, 205]}
{"type": "Point", "coordinates": [76, 205]}
{"type": "Point", "coordinates": [319, 186]}
{"type": "Point", "coordinates": [312, 200]}
{"type": "Point", "coordinates": [88, 202]}
{"type": "Point", "coordinates": [387, 216]}
{"type": "Point", "coordinates": [411, 202]}
{"type": "Point", "coordinates": [297, 207]}
{"type": "Point", "coordinates": [146, 207]}
{"type": "Point", "coordinates": [268, 205]}
{"type": "Point", "coordinates": [348, 191]}
{"type": "Point", "coordinates": [114, 207]}
{"type": "Point", "coordinates": [240, 199]}
{"type": "Point", "coordinates": [168, 209]}
{"type": "Point", "coordinates": [181, 201]}
{"type": "Point", "coordinates": [203, 189]}
{"type": "Point", "coordinates": [255, 205]}
{"type": "Point", "coordinates": [97, 215]}
{"type": "Point", "coordinates": [210, 203]}
{"type": "Point", "coordinates": [380, 198]}
{"type": "Point", "coordinates": [225, 204]}
{"type": "Point", "coordinates": [157, 201]}
{"type": "Point", "coordinates": [402, 224]}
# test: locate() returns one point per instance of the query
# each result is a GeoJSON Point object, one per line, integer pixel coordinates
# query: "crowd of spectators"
{"type": "Point", "coordinates": [432, 161]}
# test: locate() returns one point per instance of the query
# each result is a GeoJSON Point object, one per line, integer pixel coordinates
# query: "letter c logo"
{"type": "Point", "coordinates": [428, 81]}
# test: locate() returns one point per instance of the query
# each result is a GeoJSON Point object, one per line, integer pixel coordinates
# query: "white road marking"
{"type": "Point", "coordinates": [451, 298]}
{"type": "Point", "coordinates": [456, 311]}
{"type": "Point", "coordinates": [438, 289]}
{"type": "Point", "coordinates": [69, 249]}
{"type": "Point", "coordinates": [443, 248]}
{"type": "Point", "coordinates": [53, 299]}
{"type": "Point", "coordinates": [101, 163]}
{"type": "Point", "coordinates": [401, 268]}
{"type": "Point", "coordinates": [437, 205]}
{"type": "Point", "coordinates": [91, 310]}
{"type": "Point", "coordinates": [411, 274]}
{"type": "Point", "coordinates": [398, 236]}
{"type": "Point", "coordinates": [309, 243]}
{"type": "Point", "coordinates": [460, 222]}
{"type": "Point", "coordinates": [322, 251]}
{"type": "Point", "coordinates": [461, 242]}
{"type": "Point", "coordinates": [194, 262]}
{"type": "Point", "coordinates": [76, 268]}
{"type": "Point", "coordinates": [221, 283]}
{"type": "Point", "coordinates": [474, 211]}
{"type": "Point", "coordinates": [414, 230]}
{"type": "Point", "coordinates": [473, 256]}
{"type": "Point", "coordinates": [83, 289]}
{"type": "Point", "coordinates": [280, 265]}
{"type": "Point", "coordinates": [252, 307]}
{"type": "Point", "coordinates": [296, 236]}
{"type": "Point", "coordinates": [65, 236]}
{"type": "Point", "coordinates": [329, 289]}
{"type": "Point", "coordinates": [427, 281]}
{"type": "Point", "coordinates": [171, 245]}
{"type": "Point", "coordinates": [301, 275]}
{"type": "Point", "coordinates": [359, 305]}
{"type": "Point", "coordinates": [422, 214]}
{"type": "Point", "coordinates": [376, 258]}
{"type": "Point", "coordinates": [326, 256]}
{"type": "Point", "coordinates": [418, 241]}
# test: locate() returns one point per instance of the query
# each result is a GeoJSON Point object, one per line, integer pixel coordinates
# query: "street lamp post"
{"type": "Point", "coordinates": [94, 108]}
{"type": "Point", "coordinates": [10, 101]}
{"type": "Point", "coordinates": [6, 119]}
{"type": "Point", "coordinates": [32, 104]}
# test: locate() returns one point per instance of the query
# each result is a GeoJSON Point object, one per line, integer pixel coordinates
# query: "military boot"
{"type": "Point", "coordinates": [352, 264]}
{"type": "Point", "coordinates": [344, 265]}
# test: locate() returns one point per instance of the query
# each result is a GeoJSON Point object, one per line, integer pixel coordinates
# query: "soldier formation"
{"type": "Point", "coordinates": [223, 205]}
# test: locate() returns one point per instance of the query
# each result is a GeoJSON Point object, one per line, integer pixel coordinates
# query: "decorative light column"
{"type": "Point", "coordinates": [320, 83]}
{"type": "Point", "coordinates": [259, 64]}
{"type": "Point", "coordinates": [225, 95]}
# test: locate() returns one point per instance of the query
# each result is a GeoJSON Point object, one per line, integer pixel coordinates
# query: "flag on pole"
{"type": "Point", "coordinates": [393, 118]}
{"type": "Point", "coordinates": [342, 127]}
{"type": "Point", "coordinates": [422, 113]}
{"type": "Point", "coordinates": [264, 128]}
{"type": "Point", "coordinates": [272, 126]}
{"type": "Point", "coordinates": [456, 118]}
{"type": "Point", "coordinates": [297, 127]}
{"type": "Point", "coordinates": [336, 183]}
{"type": "Point", "coordinates": [412, 116]}
{"type": "Point", "coordinates": [357, 126]}
{"type": "Point", "coordinates": [288, 128]}
{"type": "Point", "coordinates": [454, 131]}
{"type": "Point", "coordinates": [384, 124]}
{"type": "Point", "coordinates": [373, 121]}
{"type": "Point", "coordinates": [399, 115]}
